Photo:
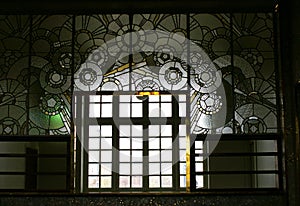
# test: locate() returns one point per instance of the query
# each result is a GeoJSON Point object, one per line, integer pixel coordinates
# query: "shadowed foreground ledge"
{"type": "Point", "coordinates": [147, 199]}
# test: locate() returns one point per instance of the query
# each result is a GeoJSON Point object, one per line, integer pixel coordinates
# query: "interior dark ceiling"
{"type": "Point", "coordinates": [134, 6]}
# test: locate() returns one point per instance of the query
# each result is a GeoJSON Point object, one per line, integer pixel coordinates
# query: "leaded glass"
{"type": "Point", "coordinates": [254, 89]}
{"type": "Point", "coordinates": [51, 70]}
{"type": "Point", "coordinates": [14, 64]}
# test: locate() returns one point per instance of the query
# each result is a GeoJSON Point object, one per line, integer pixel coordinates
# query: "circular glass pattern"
{"type": "Point", "coordinates": [44, 42]}
{"type": "Point", "coordinates": [254, 57]}
{"type": "Point", "coordinates": [217, 42]}
{"type": "Point", "coordinates": [88, 77]}
{"type": "Point", "coordinates": [9, 126]}
{"type": "Point", "coordinates": [53, 81]}
{"type": "Point", "coordinates": [206, 78]}
{"type": "Point", "coordinates": [51, 104]}
{"type": "Point", "coordinates": [99, 56]}
{"type": "Point", "coordinates": [167, 52]}
{"type": "Point", "coordinates": [256, 118]}
{"type": "Point", "coordinates": [258, 52]}
{"type": "Point", "coordinates": [209, 103]}
{"type": "Point", "coordinates": [196, 59]}
{"type": "Point", "coordinates": [16, 48]}
{"type": "Point", "coordinates": [147, 84]}
{"type": "Point", "coordinates": [12, 118]}
{"type": "Point", "coordinates": [162, 57]}
{"type": "Point", "coordinates": [11, 57]}
{"type": "Point", "coordinates": [12, 92]}
{"type": "Point", "coordinates": [254, 125]}
{"type": "Point", "coordinates": [172, 76]}
{"type": "Point", "coordinates": [231, 127]}
{"type": "Point", "coordinates": [62, 60]}
{"type": "Point", "coordinates": [111, 84]}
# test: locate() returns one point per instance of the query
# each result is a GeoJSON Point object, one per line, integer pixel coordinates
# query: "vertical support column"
{"type": "Point", "coordinates": [290, 65]}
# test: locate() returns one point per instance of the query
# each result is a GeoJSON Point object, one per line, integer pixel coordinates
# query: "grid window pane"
{"type": "Point", "coordinates": [124, 110]}
{"type": "Point", "coordinates": [106, 110]}
{"type": "Point", "coordinates": [94, 110]}
{"type": "Point", "coordinates": [94, 131]}
{"type": "Point", "coordinates": [124, 130]}
{"type": "Point", "coordinates": [93, 182]}
{"type": "Point", "coordinates": [106, 130]}
{"type": "Point", "coordinates": [106, 182]}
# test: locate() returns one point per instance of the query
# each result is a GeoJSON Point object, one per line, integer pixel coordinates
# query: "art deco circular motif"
{"type": "Point", "coordinates": [147, 84]}
{"type": "Point", "coordinates": [63, 58]}
{"type": "Point", "coordinates": [209, 103]}
{"type": "Point", "coordinates": [9, 126]}
{"type": "Point", "coordinates": [51, 104]}
{"type": "Point", "coordinates": [253, 125]}
{"type": "Point", "coordinates": [53, 81]}
{"type": "Point", "coordinates": [206, 78]}
{"type": "Point", "coordinates": [88, 77]}
{"type": "Point", "coordinates": [111, 84]}
{"type": "Point", "coordinates": [12, 119]}
{"type": "Point", "coordinates": [172, 76]}
{"type": "Point", "coordinates": [256, 118]}
{"type": "Point", "coordinates": [99, 56]}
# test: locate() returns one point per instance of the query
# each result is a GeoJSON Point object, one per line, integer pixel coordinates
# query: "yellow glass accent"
{"type": "Point", "coordinates": [126, 66]}
{"type": "Point", "coordinates": [147, 93]}
{"type": "Point", "coordinates": [188, 161]}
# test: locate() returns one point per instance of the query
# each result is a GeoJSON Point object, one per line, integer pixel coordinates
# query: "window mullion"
{"type": "Point", "coordinates": [115, 145]}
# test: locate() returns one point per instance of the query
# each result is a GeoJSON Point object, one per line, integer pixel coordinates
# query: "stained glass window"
{"type": "Point", "coordinates": [217, 69]}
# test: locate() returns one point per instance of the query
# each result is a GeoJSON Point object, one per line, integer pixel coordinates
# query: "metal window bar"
{"type": "Point", "coordinates": [33, 176]}
{"type": "Point", "coordinates": [252, 172]}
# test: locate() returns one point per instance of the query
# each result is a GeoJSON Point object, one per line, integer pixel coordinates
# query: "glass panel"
{"type": "Point", "coordinates": [105, 182]}
{"type": "Point", "coordinates": [94, 131]}
{"type": "Point", "coordinates": [94, 110]}
{"type": "Point", "coordinates": [154, 181]}
{"type": "Point", "coordinates": [137, 182]}
{"type": "Point", "coordinates": [124, 181]}
{"type": "Point", "coordinates": [154, 156]}
{"type": "Point", "coordinates": [154, 110]}
{"type": "Point", "coordinates": [182, 181]}
{"type": "Point", "coordinates": [94, 156]}
{"type": "Point", "coordinates": [166, 109]}
{"type": "Point", "coordinates": [51, 72]}
{"type": "Point", "coordinates": [137, 143]}
{"type": "Point", "coordinates": [137, 130]}
{"type": "Point", "coordinates": [106, 156]}
{"type": "Point", "coordinates": [182, 109]}
{"type": "Point", "coordinates": [124, 168]}
{"type": "Point", "coordinates": [124, 143]}
{"type": "Point", "coordinates": [154, 130]}
{"type": "Point", "coordinates": [137, 156]}
{"type": "Point", "coordinates": [93, 182]}
{"type": "Point", "coordinates": [95, 98]}
{"type": "Point", "coordinates": [106, 143]}
{"type": "Point", "coordinates": [93, 169]}
{"type": "Point", "coordinates": [166, 130]}
{"type": "Point", "coordinates": [106, 169]}
{"type": "Point", "coordinates": [124, 130]}
{"type": "Point", "coordinates": [154, 168]}
{"type": "Point", "coordinates": [166, 181]}
{"type": "Point", "coordinates": [124, 156]}
{"type": "Point", "coordinates": [137, 169]}
{"type": "Point", "coordinates": [166, 143]}
{"type": "Point", "coordinates": [166, 168]}
{"type": "Point", "coordinates": [166, 155]}
{"type": "Point", "coordinates": [106, 130]}
{"type": "Point", "coordinates": [137, 110]}
{"type": "Point", "coordinates": [106, 110]}
{"type": "Point", "coordinates": [255, 106]}
{"type": "Point", "coordinates": [124, 110]}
